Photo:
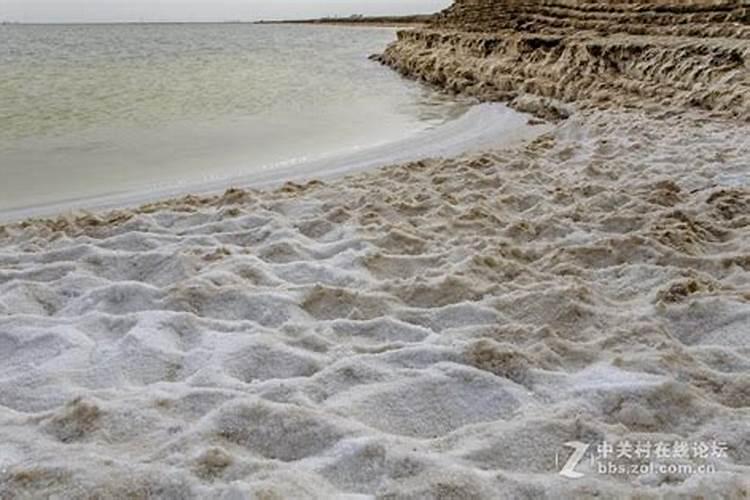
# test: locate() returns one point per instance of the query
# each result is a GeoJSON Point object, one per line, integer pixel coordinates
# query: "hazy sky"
{"type": "Point", "coordinates": [202, 10]}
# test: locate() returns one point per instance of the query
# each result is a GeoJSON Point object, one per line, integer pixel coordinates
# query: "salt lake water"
{"type": "Point", "coordinates": [90, 111]}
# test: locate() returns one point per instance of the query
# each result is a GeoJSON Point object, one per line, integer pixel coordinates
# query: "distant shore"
{"type": "Point", "coordinates": [372, 21]}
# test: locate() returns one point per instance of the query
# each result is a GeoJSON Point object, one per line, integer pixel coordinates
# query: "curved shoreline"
{"type": "Point", "coordinates": [482, 126]}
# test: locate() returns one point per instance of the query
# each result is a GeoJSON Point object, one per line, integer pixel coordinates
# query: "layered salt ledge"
{"type": "Point", "coordinates": [436, 329]}
{"type": "Point", "coordinates": [537, 53]}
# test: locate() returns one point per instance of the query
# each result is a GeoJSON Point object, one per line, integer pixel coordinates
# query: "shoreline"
{"type": "Point", "coordinates": [482, 126]}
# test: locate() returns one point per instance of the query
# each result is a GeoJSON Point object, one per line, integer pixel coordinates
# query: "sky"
{"type": "Point", "coordinates": [202, 10]}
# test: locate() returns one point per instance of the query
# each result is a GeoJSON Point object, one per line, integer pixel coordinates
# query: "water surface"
{"type": "Point", "coordinates": [92, 110]}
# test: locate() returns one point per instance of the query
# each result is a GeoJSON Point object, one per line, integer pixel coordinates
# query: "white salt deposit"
{"type": "Point", "coordinates": [438, 329]}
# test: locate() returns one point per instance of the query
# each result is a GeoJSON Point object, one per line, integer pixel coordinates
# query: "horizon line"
{"type": "Point", "coordinates": [217, 21]}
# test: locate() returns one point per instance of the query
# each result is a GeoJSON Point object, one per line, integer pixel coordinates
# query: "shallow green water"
{"type": "Point", "coordinates": [91, 110]}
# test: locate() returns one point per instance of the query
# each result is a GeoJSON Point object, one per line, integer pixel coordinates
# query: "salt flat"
{"type": "Point", "coordinates": [439, 328]}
